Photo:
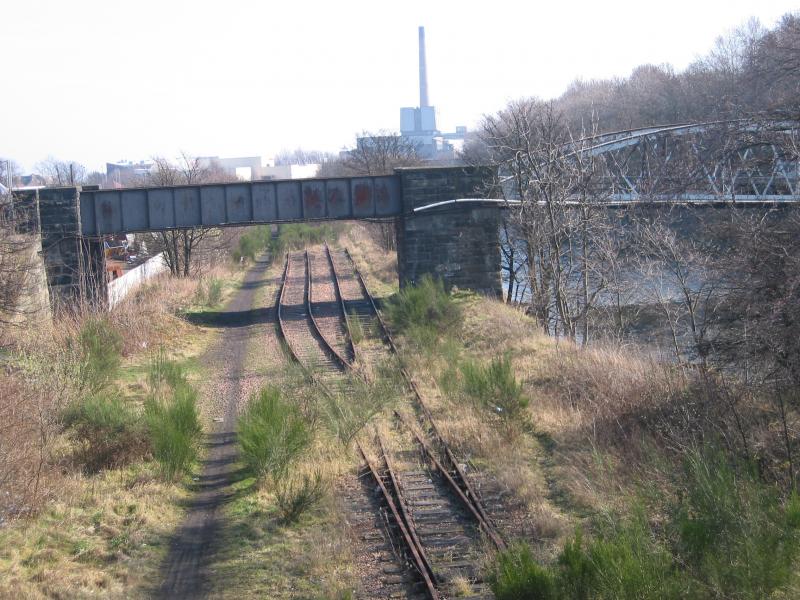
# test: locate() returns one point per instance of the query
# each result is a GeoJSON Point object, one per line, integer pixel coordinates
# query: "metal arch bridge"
{"type": "Point", "coordinates": [739, 160]}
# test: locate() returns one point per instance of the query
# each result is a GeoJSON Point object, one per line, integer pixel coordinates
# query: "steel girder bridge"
{"type": "Point", "coordinates": [743, 161]}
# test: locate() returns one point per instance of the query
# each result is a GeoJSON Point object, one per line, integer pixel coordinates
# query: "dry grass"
{"type": "Point", "coordinates": [68, 535]}
{"type": "Point", "coordinates": [606, 425]}
{"type": "Point", "coordinates": [103, 535]}
{"type": "Point", "coordinates": [379, 268]}
{"type": "Point", "coordinates": [558, 466]}
{"type": "Point", "coordinates": [28, 439]}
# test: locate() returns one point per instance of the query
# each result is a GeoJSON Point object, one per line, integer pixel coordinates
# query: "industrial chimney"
{"type": "Point", "coordinates": [423, 71]}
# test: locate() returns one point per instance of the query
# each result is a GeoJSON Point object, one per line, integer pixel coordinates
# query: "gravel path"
{"type": "Point", "coordinates": [186, 571]}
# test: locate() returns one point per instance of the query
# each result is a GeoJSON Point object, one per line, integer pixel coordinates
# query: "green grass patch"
{"type": "Point", "coordinates": [733, 530]}
{"type": "Point", "coordinates": [345, 415]}
{"type": "Point", "coordinates": [729, 535]}
{"type": "Point", "coordinates": [173, 419]}
{"type": "Point", "coordinates": [295, 496]}
{"type": "Point", "coordinates": [292, 236]}
{"type": "Point", "coordinates": [425, 312]}
{"type": "Point", "coordinates": [107, 431]}
{"type": "Point", "coordinates": [355, 327]}
{"type": "Point", "coordinates": [209, 292]}
{"type": "Point", "coordinates": [272, 435]}
{"type": "Point", "coordinates": [98, 347]}
{"type": "Point", "coordinates": [495, 386]}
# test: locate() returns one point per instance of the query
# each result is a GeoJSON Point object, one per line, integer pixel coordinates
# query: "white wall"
{"type": "Point", "coordinates": [122, 286]}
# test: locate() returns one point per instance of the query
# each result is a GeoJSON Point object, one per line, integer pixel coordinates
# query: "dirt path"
{"type": "Point", "coordinates": [186, 568]}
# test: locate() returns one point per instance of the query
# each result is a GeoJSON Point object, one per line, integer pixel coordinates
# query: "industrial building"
{"type": "Point", "coordinates": [418, 124]}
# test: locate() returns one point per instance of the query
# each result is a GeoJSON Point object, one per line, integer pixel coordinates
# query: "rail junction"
{"type": "Point", "coordinates": [419, 505]}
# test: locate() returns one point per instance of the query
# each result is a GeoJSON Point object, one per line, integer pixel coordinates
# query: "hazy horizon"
{"type": "Point", "coordinates": [94, 82]}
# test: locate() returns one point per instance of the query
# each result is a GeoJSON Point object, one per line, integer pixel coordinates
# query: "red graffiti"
{"type": "Point", "coordinates": [363, 195]}
{"type": "Point", "coordinates": [311, 200]}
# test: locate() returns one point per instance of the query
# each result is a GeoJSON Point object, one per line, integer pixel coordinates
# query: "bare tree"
{"type": "Point", "coordinates": [61, 173]}
{"type": "Point", "coordinates": [375, 154]}
{"type": "Point", "coordinates": [300, 156]}
{"type": "Point", "coordinates": [678, 277]}
{"type": "Point", "coordinates": [9, 170]}
{"type": "Point", "coordinates": [181, 247]}
{"type": "Point", "coordinates": [567, 255]}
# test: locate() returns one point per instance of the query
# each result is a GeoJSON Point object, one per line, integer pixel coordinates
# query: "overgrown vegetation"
{"type": "Point", "coordinates": [84, 508]}
{"type": "Point", "coordinates": [734, 532]}
{"type": "Point", "coordinates": [425, 312]}
{"type": "Point", "coordinates": [622, 450]}
{"type": "Point", "coordinates": [495, 386]}
{"type": "Point", "coordinates": [253, 241]}
{"type": "Point", "coordinates": [291, 236]}
{"type": "Point", "coordinates": [346, 413]}
{"type": "Point", "coordinates": [299, 235]}
{"type": "Point", "coordinates": [355, 327]}
{"type": "Point", "coordinates": [730, 536]}
{"type": "Point", "coordinates": [99, 350]}
{"type": "Point", "coordinates": [105, 428]}
{"type": "Point", "coordinates": [272, 435]}
{"type": "Point", "coordinates": [297, 495]}
{"type": "Point", "coordinates": [107, 431]}
{"type": "Point", "coordinates": [172, 417]}
{"type": "Point", "coordinates": [209, 292]}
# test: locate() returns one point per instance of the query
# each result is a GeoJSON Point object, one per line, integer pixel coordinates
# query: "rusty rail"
{"type": "Point", "coordinates": [412, 530]}
{"type": "Point", "coordinates": [457, 481]}
{"type": "Point", "coordinates": [467, 494]}
{"type": "Point", "coordinates": [338, 291]}
{"type": "Point", "coordinates": [281, 330]}
{"type": "Point", "coordinates": [338, 358]}
{"type": "Point", "coordinates": [419, 562]}
{"type": "Point", "coordinates": [475, 508]}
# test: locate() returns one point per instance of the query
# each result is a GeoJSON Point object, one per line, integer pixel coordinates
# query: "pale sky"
{"type": "Point", "coordinates": [102, 80]}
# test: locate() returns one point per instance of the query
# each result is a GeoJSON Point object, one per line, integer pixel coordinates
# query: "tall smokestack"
{"type": "Point", "coordinates": [423, 71]}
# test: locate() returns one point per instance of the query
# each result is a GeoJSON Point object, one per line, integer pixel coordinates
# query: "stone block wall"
{"type": "Point", "coordinates": [460, 243]}
{"type": "Point", "coordinates": [74, 266]}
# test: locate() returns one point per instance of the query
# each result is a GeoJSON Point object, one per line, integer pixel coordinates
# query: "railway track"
{"type": "Point", "coordinates": [436, 523]}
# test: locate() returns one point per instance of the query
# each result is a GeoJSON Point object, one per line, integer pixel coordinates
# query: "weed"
{"type": "Point", "coordinates": [272, 434]}
{"type": "Point", "coordinates": [214, 291]}
{"type": "Point", "coordinates": [729, 537]}
{"type": "Point", "coordinates": [356, 329]}
{"type": "Point", "coordinates": [296, 496]}
{"type": "Point", "coordinates": [298, 235]}
{"type": "Point", "coordinates": [496, 387]}
{"type": "Point", "coordinates": [107, 431]}
{"type": "Point", "coordinates": [623, 563]}
{"type": "Point", "coordinates": [99, 349]}
{"type": "Point", "coordinates": [253, 241]}
{"type": "Point", "coordinates": [516, 576]}
{"type": "Point", "coordinates": [209, 293]}
{"type": "Point", "coordinates": [346, 415]}
{"type": "Point", "coordinates": [164, 372]}
{"type": "Point", "coordinates": [425, 312]}
{"type": "Point", "coordinates": [733, 531]}
{"type": "Point", "coordinates": [173, 419]}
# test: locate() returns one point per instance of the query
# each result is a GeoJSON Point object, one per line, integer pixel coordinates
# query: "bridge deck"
{"type": "Point", "coordinates": [213, 205]}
